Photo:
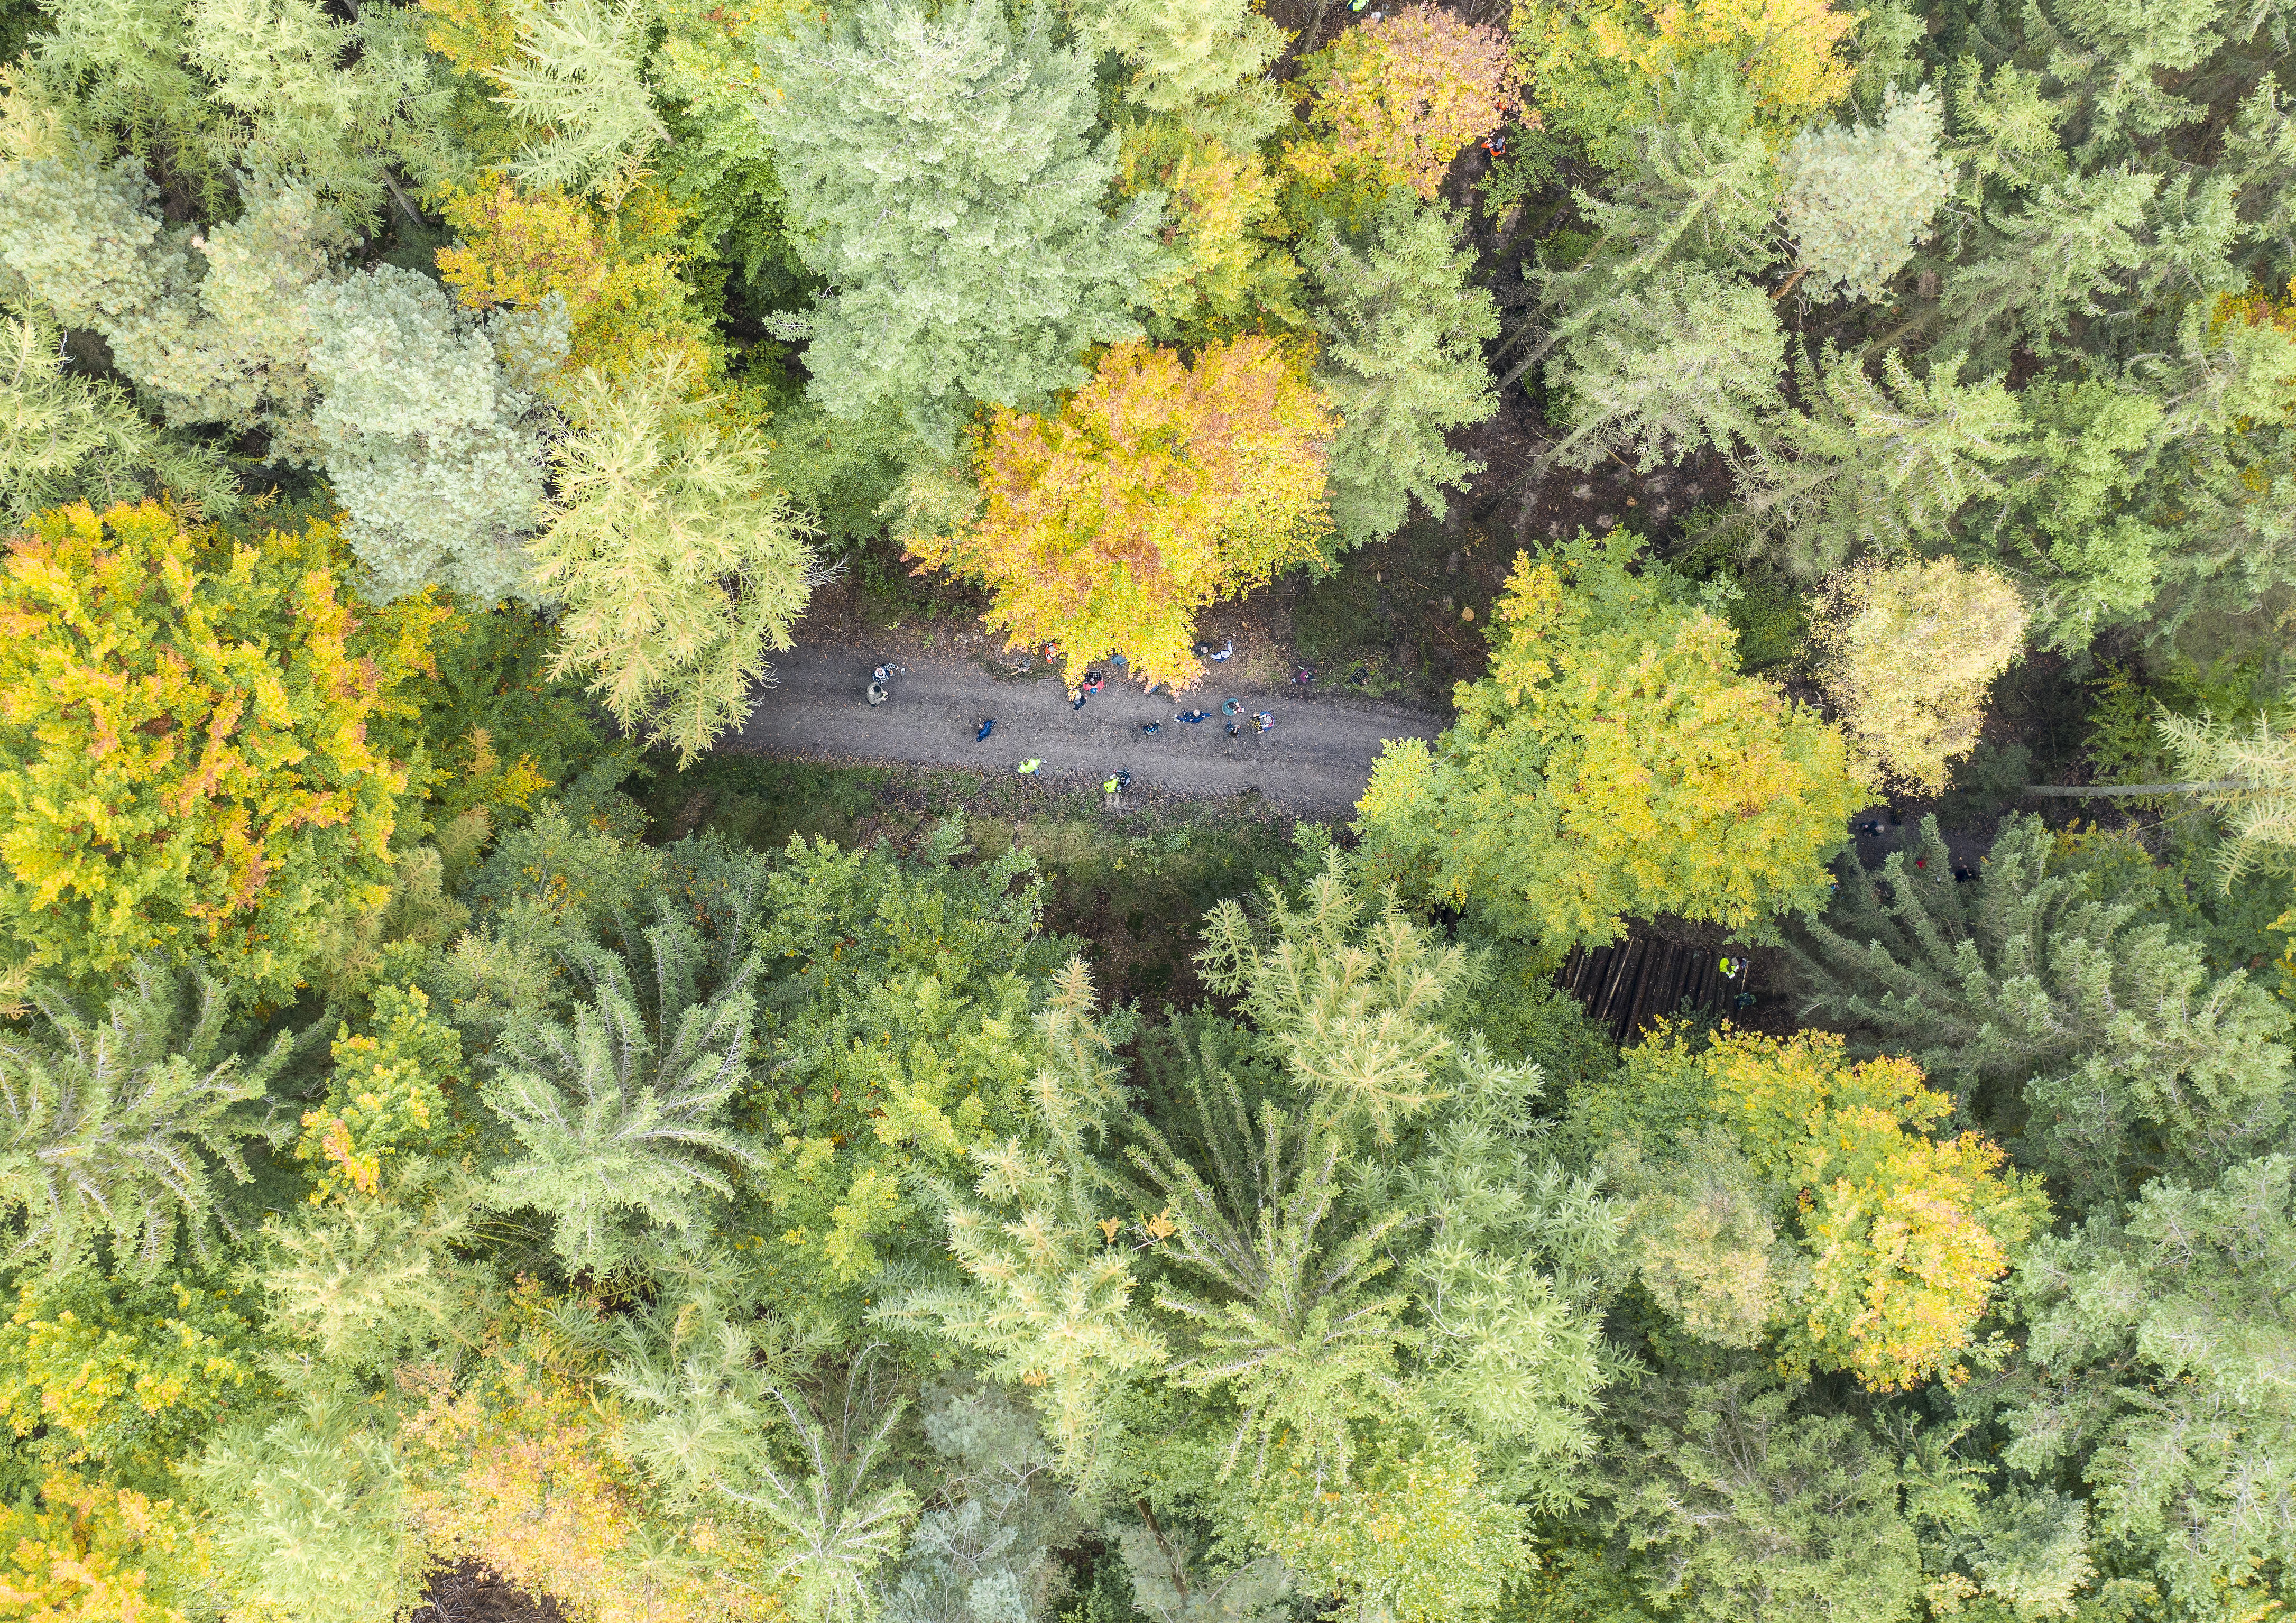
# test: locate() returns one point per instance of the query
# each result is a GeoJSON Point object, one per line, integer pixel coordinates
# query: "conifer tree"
{"type": "Point", "coordinates": [576, 82]}
{"type": "Point", "coordinates": [941, 181]}
{"type": "Point", "coordinates": [1048, 1287]}
{"type": "Point", "coordinates": [623, 1113]}
{"type": "Point", "coordinates": [119, 1125]}
{"type": "Point", "coordinates": [1687, 361]}
{"type": "Point", "coordinates": [1371, 1284]}
{"type": "Point", "coordinates": [678, 564]}
{"type": "Point", "coordinates": [1874, 467]}
{"type": "Point", "coordinates": [1857, 200]}
{"type": "Point", "coordinates": [1402, 363]}
{"type": "Point", "coordinates": [2108, 1050]}
{"type": "Point", "coordinates": [2156, 1335]}
{"type": "Point", "coordinates": [435, 451]}
{"type": "Point", "coordinates": [1729, 1501]}
{"type": "Point", "coordinates": [66, 438]}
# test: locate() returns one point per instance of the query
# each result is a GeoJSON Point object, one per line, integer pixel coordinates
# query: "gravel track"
{"type": "Point", "coordinates": [1316, 758]}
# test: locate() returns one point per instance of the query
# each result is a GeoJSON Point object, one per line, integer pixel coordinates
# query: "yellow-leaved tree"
{"type": "Point", "coordinates": [1901, 1235]}
{"type": "Point", "coordinates": [1907, 655]}
{"type": "Point", "coordinates": [615, 269]}
{"type": "Point", "coordinates": [1159, 487]}
{"type": "Point", "coordinates": [1398, 97]}
{"type": "Point", "coordinates": [1614, 764]}
{"type": "Point", "coordinates": [1600, 70]}
{"type": "Point", "coordinates": [193, 751]}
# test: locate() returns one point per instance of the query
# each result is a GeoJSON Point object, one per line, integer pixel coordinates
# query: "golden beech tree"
{"type": "Point", "coordinates": [1614, 764]}
{"type": "Point", "coordinates": [615, 270]}
{"type": "Point", "coordinates": [1903, 1235]}
{"type": "Point", "coordinates": [1157, 487]}
{"type": "Point", "coordinates": [1398, 97]}
{"type": "Point", "coordinates": [191, 742]}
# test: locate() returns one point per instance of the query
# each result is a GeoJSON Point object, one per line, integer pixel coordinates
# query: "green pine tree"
{"type": "Point", "coordinates": [942, 180]}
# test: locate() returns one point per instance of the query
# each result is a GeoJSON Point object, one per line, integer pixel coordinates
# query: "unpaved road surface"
{"type": "Point", "coordinates": [1316, 758]}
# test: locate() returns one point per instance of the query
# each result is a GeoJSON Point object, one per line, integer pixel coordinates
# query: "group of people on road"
{"type": "Point", "coordinates": [880, 689]}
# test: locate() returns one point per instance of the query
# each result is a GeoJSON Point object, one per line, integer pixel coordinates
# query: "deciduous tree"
{"type": "Point", "coordinates": [190, 732]}
{"type": "Point", "coordinates": [1599, 72]}
{"type": "Point", "coordinates": [1907, 655]}
{"type": "Point", "coordinates": [1399, 96]}
{"type": "Point", "coordinates": [1613, 764]}
{"type": "Point", "coordinates": [1157, 488]}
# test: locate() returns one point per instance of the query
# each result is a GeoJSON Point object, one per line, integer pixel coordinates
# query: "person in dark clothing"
{"type": "Point", "coordinates": [1192, 717]}
{"type": "Point", "coordinates": [987, 726]}
{"type": "Point", "coordinates": [1152, 728]}
{"type": "Point", "coordinates": [1232, 730]}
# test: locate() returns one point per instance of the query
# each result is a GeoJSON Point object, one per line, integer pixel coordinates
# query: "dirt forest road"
{"type": "Point", "coordinates": [1316, 760]}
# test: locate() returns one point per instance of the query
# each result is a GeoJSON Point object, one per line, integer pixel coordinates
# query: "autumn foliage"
{"type": "Point", "coordinates": [1614, 764]}
{"type": "Point", "coordinates": [188, 754]}
{"type": "Point", "coordinates": [1157, 488]}
{"type": "Point", "coordinates": [1602, 69]}
{"type": "Point", "coordinates": [614, 269]}
{"type": "Point", "coordinates": [1906, 1233]}
{"type": "Point", "coordinates": [1401, 95]}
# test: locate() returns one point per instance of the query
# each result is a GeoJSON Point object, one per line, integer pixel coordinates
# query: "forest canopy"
{"type": "Point", "coordinates": [469, 1147]}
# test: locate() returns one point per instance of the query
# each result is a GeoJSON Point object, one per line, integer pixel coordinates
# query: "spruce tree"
{"type": "Point", "coordinates": [622, 1113]}
{"type": "Point", "coordinates": [118, 1123]}
{"type": "Point", "coordinates": [2157, 1345]}
{"type": "Point", "coordinates": [1403, 365]}
{"type": "Point", "coordinates": [2043, 994]}
{"type": "Point", "coordinates": [942, 181]}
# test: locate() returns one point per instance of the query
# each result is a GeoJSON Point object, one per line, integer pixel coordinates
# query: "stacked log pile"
{"type": "Point", "coordinates": [1631, 984]}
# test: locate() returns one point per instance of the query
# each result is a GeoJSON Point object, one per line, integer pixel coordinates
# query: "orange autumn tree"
{"type": "Point", "coordinates": [1157, 488]}
{"type": "Point", "coordinates": [1399, 96]}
